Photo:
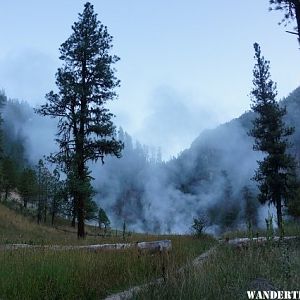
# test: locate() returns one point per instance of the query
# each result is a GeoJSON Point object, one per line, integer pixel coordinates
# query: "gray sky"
{"type": "Point", "coordinates": [185, 65]}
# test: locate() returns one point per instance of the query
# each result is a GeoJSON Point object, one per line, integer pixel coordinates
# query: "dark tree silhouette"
{"type": "Point", "coordinates": [85, 83]}
{"type": "Point", "coordinates": [291, 9]}
{"type": "Point", "coordinates": [250, 207]}
{"type": "Point", "coordinates": [276, 172]}
{"type": "Point", "coordinates": [27, 185]}
{"type": "Point", "coordinates": [103, 218]}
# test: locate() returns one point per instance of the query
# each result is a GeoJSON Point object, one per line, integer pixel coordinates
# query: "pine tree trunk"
{"type": "Point", "coordinates": [279, 214]}
{"type": "Point", "coordinates": [73, 223]}
{"type": "Point", "coordinates": [39, 215]}
{"type": "Point", "coordinates": [45, 214]}
{"type": "Point", "coordinates": [80, 203]}
{"type": "Point", "coordinates": [6, 194]}
{"type": "Point", "coordinates": [80, 152]}
{"type": "Point", "coordinates": [297, 12]}
{"type": "Point", "coordinates": [80, 232]}
{"type": "Point", "coordinates": [52, 218]}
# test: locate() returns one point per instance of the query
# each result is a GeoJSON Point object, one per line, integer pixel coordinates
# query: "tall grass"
{"type": "Point", "coordinates": [79, 274]}
{"type": "Point", "coordinates": [291, 228]}
{"type": "Point", "coordinates": [228, 274]}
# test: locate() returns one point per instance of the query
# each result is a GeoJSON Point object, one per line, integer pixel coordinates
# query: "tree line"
{"type": "Point", "coordinates": [44, 194]}
{"type": "Point", "coordinates": [86, 81]}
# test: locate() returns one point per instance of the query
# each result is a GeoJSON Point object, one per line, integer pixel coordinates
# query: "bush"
{"type": "Point", "coordinates": [199, 225]}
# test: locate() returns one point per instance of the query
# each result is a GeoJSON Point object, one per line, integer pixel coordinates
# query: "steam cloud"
{"type": "Point", "coordinates": [156, 196]}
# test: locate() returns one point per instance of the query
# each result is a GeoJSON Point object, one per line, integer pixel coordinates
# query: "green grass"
{"type": "Point", "coordinates": [228, 274]}
{"type": "Point", "coordinates": [16, 227]}
{"type": "Point", "coordinates": [290, 229]}
{"type": "Point", "coordinates": [45, 274]}
{"type": "Point", "coordinates": [80, 274]}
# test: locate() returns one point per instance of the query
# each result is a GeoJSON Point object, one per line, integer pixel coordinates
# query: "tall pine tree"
{"type": "Point", "coordinates": [276, 172]}
{"type": "Point", "coordinates": [85, 82]}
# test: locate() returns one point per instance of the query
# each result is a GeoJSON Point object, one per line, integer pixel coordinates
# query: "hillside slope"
{"type": "Point", "coordinates": [221, 162]}
{"type": "Point", "coordinates": [207, 179]}
{"type": "Point", "coordinates": [148, 195]}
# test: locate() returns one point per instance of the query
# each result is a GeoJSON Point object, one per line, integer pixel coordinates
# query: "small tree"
{"type": "Point", "coordinates": [250, 207]}
{"type": "Point", "coordinates": [9, 176]}
{"type": "Point", "coordinates": [41, 189]}
{"type": "Point", "coordinates": [27, 185]}
{"type": "Point", "coordinates": [124, 229]}
{"type": "Point", "coordinates": [103, 218]}
{"type": "Point", "coordinates": [276, 172]}
{"type": "Point", "coordinates": [91, 210]}
{"type": "Point", "coordinates": [57, 195]}
{"type": "Point", "coordinates": [199, 224]}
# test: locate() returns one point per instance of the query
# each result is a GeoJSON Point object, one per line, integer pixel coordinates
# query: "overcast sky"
{"type": "Point", "coordinates": [185, 65]}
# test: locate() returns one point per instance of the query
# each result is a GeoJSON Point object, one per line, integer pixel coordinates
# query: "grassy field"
{"type": "Point", "coordinates": [17, 228]}
{"type": "Point", "coordinates": [78, 274]}
{"type": "Point", "coordinates": [229, 273]}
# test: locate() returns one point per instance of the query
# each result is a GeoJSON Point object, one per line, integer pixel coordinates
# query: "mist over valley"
{"type": "Point", "coordinates": [153, 195]}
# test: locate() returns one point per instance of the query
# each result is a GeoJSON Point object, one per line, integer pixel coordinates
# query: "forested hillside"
{"type": "Point", "coordinates": [211, 179]}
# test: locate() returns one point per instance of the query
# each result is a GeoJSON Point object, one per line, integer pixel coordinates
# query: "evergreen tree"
{"type": "Point", "coordinates": [199, 224]}
{"type": "Point", "coordinates": [41, 189]}
{"type": "Point", "coordinates": [14, 139]}
{"type": "Point", "coordinates": [291, 9]}
{"type": "Point", "coordinates": [3, 101]}
{"type": "Point", "coordinates": [85, 82]}
{"type": "Point", "coordinates": [57, 195]}
{"type": "Point", "coordinates": [91, 207]}
{"type": "Point", "coordinates": [71, 189]}
{"type": "Point", "coordinates": [9, 176]}
{"type": "Point", "coordinates": [250, 207]}
{"type": "Point", "coordinates": [27, 185]}
{"type": "Point", "coordinates": [294, 205]}
{"type": "Point", "coordinates": [276, 172]}
{"type": "Point", "coordinates": [103, 218]}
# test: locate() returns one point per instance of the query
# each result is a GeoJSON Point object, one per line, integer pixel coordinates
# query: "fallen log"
{"type": "Point", "coordinates": [155, 246]}
{"type": "Point", "coordinates": [196, 263]}
{"type": "Point", "coordinates": [243, 242]}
